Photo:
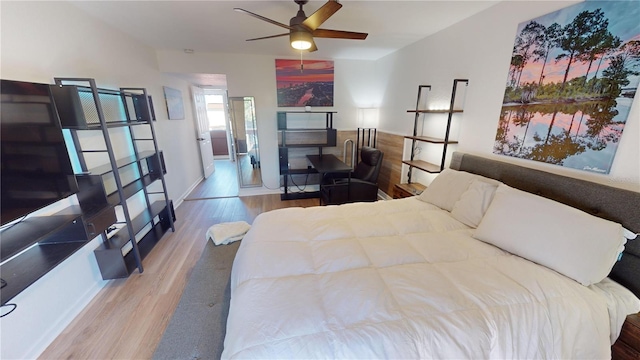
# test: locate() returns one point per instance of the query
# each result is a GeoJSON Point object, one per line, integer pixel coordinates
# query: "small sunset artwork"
{"type": "Point", "coordinates": [572, 80]}
{"type": "Point", "coordinates": [306, 83]}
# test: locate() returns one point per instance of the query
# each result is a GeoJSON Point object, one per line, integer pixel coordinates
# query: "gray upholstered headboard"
{"type": "Point", "coordinates": [619, 205]}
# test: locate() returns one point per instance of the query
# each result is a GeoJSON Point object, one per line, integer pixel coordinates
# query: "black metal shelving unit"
{"type": "Point", "coordinates": [83, 106]}
{"type": "Point", "coordinates": [37, 174]}
{"type": "Point", "coordinates": [422, 165]}
{"type": "Point", "coordinates": [300, 139]}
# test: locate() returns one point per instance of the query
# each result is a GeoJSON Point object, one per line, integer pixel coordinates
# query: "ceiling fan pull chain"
{"type": "Point", "coordinates": [301, 64]}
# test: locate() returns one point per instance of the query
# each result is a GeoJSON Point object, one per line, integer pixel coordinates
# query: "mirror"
{"type": "Point", "coordinates": [245, 140]}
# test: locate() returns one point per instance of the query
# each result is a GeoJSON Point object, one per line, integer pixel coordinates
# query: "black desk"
{"type": "Point", "coordinates": [329, 163]}
{"type": "Point", "coordinates": [322, 164]}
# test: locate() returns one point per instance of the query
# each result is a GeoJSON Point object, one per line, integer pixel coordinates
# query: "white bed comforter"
{"type": "Point", "coordinates": [400, 279]}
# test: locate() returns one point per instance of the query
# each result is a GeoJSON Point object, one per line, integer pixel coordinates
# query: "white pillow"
{"type": "Point", "coordinates": [447, 188]}
{"type": "Point", "coordinates": [630, 235]}
{"type": "Point", "coordinates": [473, 203]}
{"type": "Point", "coordinates": [562, 238]}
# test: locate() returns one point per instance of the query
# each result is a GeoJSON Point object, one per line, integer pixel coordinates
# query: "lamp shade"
{"type": "Point", "coordinates": [368, 117]}
{"type": "Point", "coordinates": [300, 40]}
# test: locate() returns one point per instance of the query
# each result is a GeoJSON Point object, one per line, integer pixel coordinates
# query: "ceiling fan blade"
{"type": "Point", "coordinates": [313, 46]}
{"type": "Point", "coordinates": [321, 15]}
{"type": "Point", "coordinates": [339, 34]}
{"type": "Point", "coordinates": [263, 18]}
{"type": "Point", "coordinates": [268, 37]}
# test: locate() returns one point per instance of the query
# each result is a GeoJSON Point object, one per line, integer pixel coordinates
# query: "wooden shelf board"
{"type": "Point", "coordinates": [423, 165]}
{"type": "Point", "coordinates": [407, 189]}
{"type": "Point", "coordinates": [415, 188]}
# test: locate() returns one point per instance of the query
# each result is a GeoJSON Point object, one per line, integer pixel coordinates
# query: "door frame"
{"type": "Point", "coordinates": [201, 134]}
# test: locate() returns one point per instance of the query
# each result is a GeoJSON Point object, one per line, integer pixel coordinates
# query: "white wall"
{"type": "Point", "coordinates": [43, 40]}
{"type": "Point", "coordinates": [255, 76]}
{"type": "Point", "coordinates": [61, 41]}
{"type": "Point", "coordinates": [479, 49]}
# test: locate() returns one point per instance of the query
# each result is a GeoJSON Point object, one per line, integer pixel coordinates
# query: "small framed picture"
{"type": "Point", "coordinates": [175, 107]}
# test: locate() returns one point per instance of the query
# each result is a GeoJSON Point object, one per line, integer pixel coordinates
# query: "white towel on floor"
{"type": "Point", "coordinates": [225, 233]}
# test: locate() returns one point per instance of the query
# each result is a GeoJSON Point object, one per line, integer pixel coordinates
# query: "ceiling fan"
{"type": "Point", "coordinates": [303, 29]}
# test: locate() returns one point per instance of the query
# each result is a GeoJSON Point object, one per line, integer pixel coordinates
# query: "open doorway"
{"type": "Point", "coordinates": [219, 123]}
{"type": "Point", "coordinates": [224, 181]}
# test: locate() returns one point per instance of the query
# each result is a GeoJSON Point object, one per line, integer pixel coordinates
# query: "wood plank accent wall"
{"type": "Point", "coordinates": [391, 145]}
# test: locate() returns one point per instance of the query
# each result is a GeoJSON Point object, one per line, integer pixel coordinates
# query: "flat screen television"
{"type": "Point", "coordinates": [36, 170]}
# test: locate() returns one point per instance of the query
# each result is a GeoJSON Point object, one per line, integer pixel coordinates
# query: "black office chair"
{"type": "Point", "coordinates": [338, 188]}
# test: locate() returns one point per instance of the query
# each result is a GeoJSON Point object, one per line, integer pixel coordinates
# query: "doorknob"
{"type": "Point", "coordinates": [200, 139]}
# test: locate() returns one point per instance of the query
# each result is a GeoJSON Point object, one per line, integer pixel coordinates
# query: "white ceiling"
{"type": "Point", "coordinates": [213, 26]}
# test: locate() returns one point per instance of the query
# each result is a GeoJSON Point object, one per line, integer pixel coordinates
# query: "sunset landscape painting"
{"type": "Point", "coordinates": [309, 83]}
{"type": "Point", "coordinates": [572, 79]}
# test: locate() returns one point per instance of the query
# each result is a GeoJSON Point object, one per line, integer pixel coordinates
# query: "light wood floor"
{"type": "Point", "coordinates": [214, 187]}
{"type": "Point", "coordinates": [127, 318]}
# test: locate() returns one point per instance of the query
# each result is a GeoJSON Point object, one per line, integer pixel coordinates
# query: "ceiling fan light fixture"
{"type": "Point", "coordinates": [303, 30]}
{"type": "Point", "coordinates": [301, 40]}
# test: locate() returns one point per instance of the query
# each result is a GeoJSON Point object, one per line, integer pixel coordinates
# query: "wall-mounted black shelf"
{"type": "Point", "coordinates": [445, 141]}
{"type": "Point", "coordinates": [423, 165]}
{"type": "Point", "coordinates": [89, 108]}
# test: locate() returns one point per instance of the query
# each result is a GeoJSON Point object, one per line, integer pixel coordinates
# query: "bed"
{"type": "Point", "coordinates": [475, 267]}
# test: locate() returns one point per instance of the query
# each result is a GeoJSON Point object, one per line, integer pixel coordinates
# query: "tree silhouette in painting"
{"type": "Point", "coordinates": [580, 36]}
{"type": "Point", "coordinates": [530, 39]}
{"type": "Point", "coordinates": [608, 47]}
{"type": "Point", "coordinates": [548, 40]}
{"type": "Point", "coordinates": [616, 76]}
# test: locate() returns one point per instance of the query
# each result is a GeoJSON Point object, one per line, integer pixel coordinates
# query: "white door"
{"type": "Point", "coordinates": [203, 136]}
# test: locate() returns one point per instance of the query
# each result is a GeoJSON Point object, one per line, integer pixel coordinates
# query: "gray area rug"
{"type": "Point", "coordinates": [198, 326]}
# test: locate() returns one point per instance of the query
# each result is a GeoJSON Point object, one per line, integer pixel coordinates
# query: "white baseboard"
{"type": "Point", "coordinates": [184, 195]}
{"type": "Point", "coordinates": [65, 319]}
{"type": "Point", "coordinates": [383, 195]}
